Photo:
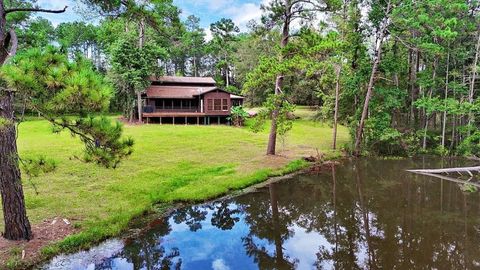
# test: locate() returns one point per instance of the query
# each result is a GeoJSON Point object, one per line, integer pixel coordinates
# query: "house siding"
{"type": "Point", "coordinates": [217, 95]}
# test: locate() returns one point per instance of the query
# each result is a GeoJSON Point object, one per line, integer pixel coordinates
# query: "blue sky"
{"type": "Point", "coordinates": [209, 11]}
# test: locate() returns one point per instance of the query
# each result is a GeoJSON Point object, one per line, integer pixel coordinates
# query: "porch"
{"type": "Point", "coordinates": [184, 118]}
{"type": "Point", "coordinates": [172, 106]}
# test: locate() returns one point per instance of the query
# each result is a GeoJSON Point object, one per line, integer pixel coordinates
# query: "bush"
{"type": "Point", "coordinates": [471, 145]}
{"type": "Point", "coordinates": [238, 116]}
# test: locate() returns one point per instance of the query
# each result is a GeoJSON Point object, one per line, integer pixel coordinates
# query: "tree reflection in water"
{"type": "Point", "coordinates": [365, 214]}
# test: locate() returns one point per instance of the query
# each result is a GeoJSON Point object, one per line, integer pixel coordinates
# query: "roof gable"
{"type": "Point", "coordinates": [183, 80]}
{"type": "Point", "coordinates": [162, 91]}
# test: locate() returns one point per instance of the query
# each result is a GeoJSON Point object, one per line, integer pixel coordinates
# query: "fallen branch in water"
{"type": "Point", "coordinates": [452, 179]}
{"type": "Point", "coordinates": [468, 170]}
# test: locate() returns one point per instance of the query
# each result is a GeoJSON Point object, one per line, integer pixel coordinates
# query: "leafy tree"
{"type": "Point", "coordinates": [131, 67]}
{"type": "Point", "coordinates": [282, 13]}
{"type": "Point", "coordinates": [224, 34]}
{"type": "Point", "coordinates": [37, 33]}
{"type": "Point", "coordinates": [194, 40]}
{"type": "Point", "coordinates": [78, 37]}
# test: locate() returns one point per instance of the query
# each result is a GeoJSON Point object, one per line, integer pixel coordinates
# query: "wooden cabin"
{"type": "Point", "coordinates": [187, 100]}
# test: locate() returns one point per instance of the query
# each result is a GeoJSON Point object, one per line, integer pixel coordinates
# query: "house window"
{"type": "Point", "coordinates": [217, 104]}
{"type": "Point", "coordinates": [224, 104]}
{"type": "Point", "coordinates": [209, 105]}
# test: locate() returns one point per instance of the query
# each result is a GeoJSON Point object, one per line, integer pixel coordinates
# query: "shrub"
{"type": "Point", "coordinates": [238, 116]}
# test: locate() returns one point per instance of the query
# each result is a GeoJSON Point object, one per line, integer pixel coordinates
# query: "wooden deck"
{"type": "Point", "coordinates": [173, 114]}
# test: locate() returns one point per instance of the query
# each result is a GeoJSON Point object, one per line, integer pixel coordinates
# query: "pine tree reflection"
{"type": "Point", "coordinates": [271, 226]}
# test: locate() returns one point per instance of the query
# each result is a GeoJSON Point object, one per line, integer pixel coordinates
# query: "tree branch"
{"type": "Point", "coordinates": [11, 10]}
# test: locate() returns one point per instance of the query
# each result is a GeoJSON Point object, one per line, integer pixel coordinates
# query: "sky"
{"type": "Point", "coordinates": [209, 11]}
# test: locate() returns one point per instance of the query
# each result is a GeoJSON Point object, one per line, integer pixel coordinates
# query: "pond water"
{"type": "Point", "coordinates": [363, 214]}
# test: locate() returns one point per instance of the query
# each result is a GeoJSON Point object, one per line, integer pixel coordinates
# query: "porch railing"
{"type": "Point", "coordinates": [153, 109]}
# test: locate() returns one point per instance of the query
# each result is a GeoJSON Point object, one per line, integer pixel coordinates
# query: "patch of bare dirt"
{"type": "Point", "coordinates": [45, 233]}
{"type": "Point", "coordinates": [127, 122]}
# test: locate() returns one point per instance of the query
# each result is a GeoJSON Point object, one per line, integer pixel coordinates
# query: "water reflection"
{"type": "Point", "coordinates": [368, 214]}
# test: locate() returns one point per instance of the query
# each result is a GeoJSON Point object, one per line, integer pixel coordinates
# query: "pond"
{"type": "Point", "coordinates": [362, 214]}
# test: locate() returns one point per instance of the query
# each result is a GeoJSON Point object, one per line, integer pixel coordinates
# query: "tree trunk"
{"type": "Point", "coordinates": [17, 226]}
{"type": "Point", "coordinates": [195, 66]}
{"type": "Point", "coordinates": [141, 42]}
{"type": "Point", "coordinates": [434, 75]}
{"type": "Point", "coordinates": [413, 87]}
{"type": "Point", "coordinates": [227, 81]}
{"type": "Point", "coordinates": [272, 138]}
{"type": "Point", "coordinates": [335, 114]}
{"type": "Point", "coordinates": [276, 226]}
{"type": "Point", "coordinates": [371, 82]}
{"type": "Point", "coordinates": [139, 107]}
{"type": "Point", "coordinates": [444, 122]}
{"type": "Point", "coordinates": [472, 82]}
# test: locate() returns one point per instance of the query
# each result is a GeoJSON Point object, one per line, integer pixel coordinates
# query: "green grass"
{"type": "Point", "coordinates": [169, 163]}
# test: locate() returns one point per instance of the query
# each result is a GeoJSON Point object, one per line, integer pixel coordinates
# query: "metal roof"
{"type": "Point", "coordinates": [236, 96]}
{"type": "Point", "coordinates": [186, 80]}
{"type": "Point", "coordinates": [163, 91]}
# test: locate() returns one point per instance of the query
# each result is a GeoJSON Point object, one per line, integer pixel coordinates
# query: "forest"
{"type": "Point", "coordinates": [405, 77]}
{"type": "Point", "coordinates": [400, 74]}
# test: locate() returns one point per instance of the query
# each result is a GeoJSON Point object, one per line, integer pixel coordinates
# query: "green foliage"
{"type": "Point", "coordinates": [469, 188]}
{"type": "Point", "coordinates": [36, 165]}
{"type": "Point", "coordinates": [232, 89]}
{"type": "Point", "coordinates": [65, 87]}
{"type": "Point", "coordinates": [37, 33]}
{"type": "Point", "coordinates": [76, 37]}
{"type": "Point", "coordinates": [284, 118]}
{"type": "Point", "coordinates": [102, 138]}
{"type": "Point", "coordinates": [134, 65]}
{"type": "Point", "coordinates": [238, 116]}
{"type": "Point", "coordinates": [69, 87]}
{"type": "Point", "coordinates": [471, 145]}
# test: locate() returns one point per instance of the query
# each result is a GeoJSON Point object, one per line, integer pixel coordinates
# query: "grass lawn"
{"type": "Point", "coordinates": [170, 163]}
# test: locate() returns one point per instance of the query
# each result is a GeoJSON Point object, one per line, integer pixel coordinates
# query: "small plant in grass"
{"type": "Point", "coordinates": [238, 116]}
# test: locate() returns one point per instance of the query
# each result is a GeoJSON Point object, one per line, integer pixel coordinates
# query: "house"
{"type": "Point", "coordinates": [187, 100]}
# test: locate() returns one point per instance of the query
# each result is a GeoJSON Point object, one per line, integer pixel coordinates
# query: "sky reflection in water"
{"type": "Point", "coordinates": [365, 214]}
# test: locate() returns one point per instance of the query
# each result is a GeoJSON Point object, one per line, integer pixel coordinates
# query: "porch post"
{"type": "Point", "coordinates": [185, 120]}
{"type": "Point", "coordinates": [198, 120]}
{"type": "Point", "coordinates": [160, 120]}
{"type": "Point", "coordinates": [218, 120]}
{"type": "Point", "coordinates": [174, 120]}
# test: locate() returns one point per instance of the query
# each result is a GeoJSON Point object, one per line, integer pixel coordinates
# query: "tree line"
{"type": "Point", "coordinates": [401, 74]}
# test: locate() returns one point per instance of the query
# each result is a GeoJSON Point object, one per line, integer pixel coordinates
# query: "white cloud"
{"type": "Point", "coordinates": [219, 264]}
{"type": "Point", "coordinates": [244, 13]}
{"type": "Point", "coordinates": [55, 4]}
{"type": "Point", "coordinates": [240, 11]}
